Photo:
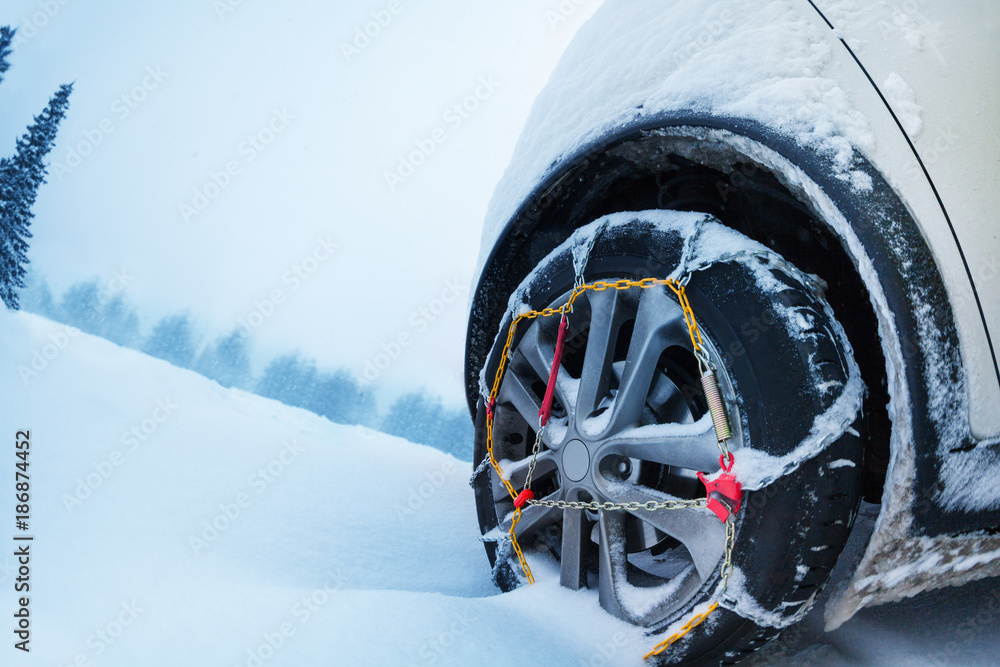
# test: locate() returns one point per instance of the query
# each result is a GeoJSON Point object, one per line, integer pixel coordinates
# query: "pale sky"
{"type": "Point", "coordinates": [233, 158]}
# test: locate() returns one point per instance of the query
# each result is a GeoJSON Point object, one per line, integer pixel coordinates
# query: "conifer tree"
{"type": "Point", "coordinates": [339, 397]}
{"type": "Point", "coordinates": [80, 307]}
{"type": "Point", "coordinates": [119, 323]}
{"type": "Point", "coordinates": [6, 37]}
{"type": "Point", "coordinates": [289, 379]}
{"type": "Point", "coordinates": [172, 339]}
{"type": "Point", "coordinates": [226, 361]}
{"type": "Point", "coordinates": [20, 177]}
{"type": "Point", "coordinates": [37, 297]}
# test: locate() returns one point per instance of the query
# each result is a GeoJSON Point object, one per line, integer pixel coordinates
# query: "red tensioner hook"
{"type": "Point", "coordinates": [724, 493]}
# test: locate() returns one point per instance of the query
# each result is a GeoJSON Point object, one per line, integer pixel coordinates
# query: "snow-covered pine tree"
{"type": "Point", "coordinates": [226, 361]}
{"type": "Point", "coordinates": [339, 397]}
{"type": "Point", "coordinates": [454, 434]}
{"type": "Point", "coordinates": [36, 297]}
{"type": "Point", "coordinates": [20, 177]}
{"type": "Point", "coordinates": [290, 379]}
{"type": "Point", "coordinates": [420, 417]}
{"type": "Point", "coordinates": [119, 323]}
{"type": "Point", "coordinates": [80, 307]}
{"type": "Point", "coordinates": [413, 416]}
{"type": "Point", "coordinates": [172, 339]}
{"type": "Point", "coordinates": [6, 37]}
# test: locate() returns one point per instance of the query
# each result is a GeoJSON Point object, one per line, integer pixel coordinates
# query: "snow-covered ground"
{"type": "Point", "coordinates": [180, 523]}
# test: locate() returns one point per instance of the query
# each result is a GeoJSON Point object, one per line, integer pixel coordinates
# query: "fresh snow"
{"type": "Point", "coordinates": [904, 103]}
{"type": "Point", "coordinates": [230, 519]}
{"type": "Point", "coordinates": [738, 599]}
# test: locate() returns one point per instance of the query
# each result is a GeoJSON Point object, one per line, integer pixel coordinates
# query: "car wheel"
{"type": "Point", "coordinates": [630, 423]}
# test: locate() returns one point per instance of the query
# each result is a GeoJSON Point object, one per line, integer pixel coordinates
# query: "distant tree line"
{"type": "Point", "coordinates": [292, 378]}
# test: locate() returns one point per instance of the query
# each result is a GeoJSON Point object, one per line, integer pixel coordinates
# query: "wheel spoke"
{"type": "Point", "coordinates": [574, 540]}
{"type": "Point", "coordinates": [539, 355]}
{"type": "Point", "coordinates": [535, 352]}
{"type": "Point", "coordinates": [697, 528]}
{"type": "Point", "coordinates": [517, 393]}
{"type": "Point", "coordinates": [693, 446]}
{"type": "Point", "coordinates": [517, 471]}
{"type": "Point", "coordinates": [658, 322]}
{"type": "Point", "coordinates": [500, 492]}
{"type": "Point", "coordinates": [668, 401]}
{"type": "Point", "coordinates": [611, 560]}
{"type": "Point", "coordinates": [605, 309]}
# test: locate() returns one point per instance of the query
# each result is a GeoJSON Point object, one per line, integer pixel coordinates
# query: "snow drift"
{"type": "Point", "coordinates": [178, 522]}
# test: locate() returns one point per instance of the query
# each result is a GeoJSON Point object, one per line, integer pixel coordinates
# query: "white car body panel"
{"type": "Point", "coordinates": [948, 54]}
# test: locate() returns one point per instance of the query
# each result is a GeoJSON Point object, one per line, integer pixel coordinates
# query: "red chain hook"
{"type": "Point", "coordinates": [724, 494]}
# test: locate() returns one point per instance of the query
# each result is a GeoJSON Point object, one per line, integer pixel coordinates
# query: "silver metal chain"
{"type": "Point", "coordinates": [534, 457]}
{"type": "Point", "coordinates": [652, 505]}
{"type": "Point", "coordinates": [727, 563]}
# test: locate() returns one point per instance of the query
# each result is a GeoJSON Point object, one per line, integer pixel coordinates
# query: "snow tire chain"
{"type": "Point", "coordinates": [630, 507]}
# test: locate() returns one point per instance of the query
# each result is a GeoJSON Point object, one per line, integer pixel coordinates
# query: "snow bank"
{"type": "Point", "coordinates": [181, 523]}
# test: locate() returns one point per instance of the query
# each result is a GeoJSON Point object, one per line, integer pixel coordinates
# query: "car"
{"type": "Point", "coordinates": [740, 276]}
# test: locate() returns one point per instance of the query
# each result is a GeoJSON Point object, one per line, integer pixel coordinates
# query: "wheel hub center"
{"type": "Point", "coordinates": [575, 460]}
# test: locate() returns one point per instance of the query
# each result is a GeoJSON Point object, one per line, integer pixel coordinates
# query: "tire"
{"type": "Point", "coordinates": [775, 381]}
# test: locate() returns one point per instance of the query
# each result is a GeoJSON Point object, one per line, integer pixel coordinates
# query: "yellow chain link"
{"type": "Point", "coordinates": [692, 623]}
